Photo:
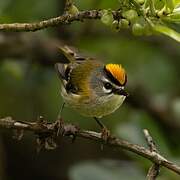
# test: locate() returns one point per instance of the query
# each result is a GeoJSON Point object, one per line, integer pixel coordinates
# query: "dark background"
{"type": "Point", "coordinates": [29, 87]}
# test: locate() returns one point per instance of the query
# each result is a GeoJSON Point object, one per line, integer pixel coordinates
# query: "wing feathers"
{"type": "Point", "coordinates": [62, 71]}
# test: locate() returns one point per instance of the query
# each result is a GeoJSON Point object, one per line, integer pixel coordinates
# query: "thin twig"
{"type": "Point", "coordinates": [150, 141]}
{"type": "Point", "coordinates": [153, 172]}
{"type": "Point", "coordinates": [155, 168]}
{"type": "Point", "coordinates": [68, 129]}
{"type": "Point", "coordinates": [64, 19]}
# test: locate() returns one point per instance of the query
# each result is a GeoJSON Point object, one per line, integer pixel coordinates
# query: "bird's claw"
{"type": "Point", "coordinates": [59, 126]}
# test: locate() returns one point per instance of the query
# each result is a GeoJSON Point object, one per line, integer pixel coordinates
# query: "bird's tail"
{"type": "Point", "coordinates": [71, 54]}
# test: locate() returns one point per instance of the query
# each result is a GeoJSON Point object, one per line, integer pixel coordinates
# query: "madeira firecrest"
{"type": "Point", "coordinates": [90, 87]}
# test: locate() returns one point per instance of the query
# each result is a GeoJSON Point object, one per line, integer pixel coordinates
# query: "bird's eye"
{"type": "Point", "coordinates": [108, 85]}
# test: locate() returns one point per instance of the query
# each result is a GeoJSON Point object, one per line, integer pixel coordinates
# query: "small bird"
{"type": "Point", "coordinates": [90, 87]}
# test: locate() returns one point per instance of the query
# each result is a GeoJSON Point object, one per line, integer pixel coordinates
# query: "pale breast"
{"type": "Point", "coordinates": [98, 108]}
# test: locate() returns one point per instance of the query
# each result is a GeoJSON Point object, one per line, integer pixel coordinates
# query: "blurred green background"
{"type": "Point", "coordinates": [29, 87]}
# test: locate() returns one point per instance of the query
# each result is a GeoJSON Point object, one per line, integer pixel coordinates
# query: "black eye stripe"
{"type": "Point", "coordinates": [108, 85]}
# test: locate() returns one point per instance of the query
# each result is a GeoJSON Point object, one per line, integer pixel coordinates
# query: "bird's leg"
{"type": "Point", "coordinates": [105, 133]}
{"type": "Point", "coordinates": [61, 110]}
{"type": "Point", "coordinates": [59, 122]}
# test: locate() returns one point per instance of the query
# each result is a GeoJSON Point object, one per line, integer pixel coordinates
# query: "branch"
{"type": "Point", "coordinates": [49, 129]}
{"type": "Point", "coordinates": [64, 19]}
{"type": "Point", "coordinates": [155, 168]}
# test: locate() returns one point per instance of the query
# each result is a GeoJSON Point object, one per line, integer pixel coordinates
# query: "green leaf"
{"type": "Point", "coordinates": [176, 2]}
{"type": "Point", "coordinates": [167, 31]}
{"type": "Point", "coordinates": [159, 4]}
{"type": "Point", "coordinates": [170, 4]}
{"type": "Point", "coordinates": [173, 17]}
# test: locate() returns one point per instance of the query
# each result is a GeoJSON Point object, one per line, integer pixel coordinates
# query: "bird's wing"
{"type": "Point", "coordinates": [76, 72]}
{"type": "Point", "coordinates": [63, 71]}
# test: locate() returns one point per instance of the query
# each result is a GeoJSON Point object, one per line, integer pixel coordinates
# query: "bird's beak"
{"type": "Point", "coordinates": [121, 92]}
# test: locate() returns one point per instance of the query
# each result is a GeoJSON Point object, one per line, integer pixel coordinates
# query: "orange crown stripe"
{"type": "Point", "coordinates": [117, 72]}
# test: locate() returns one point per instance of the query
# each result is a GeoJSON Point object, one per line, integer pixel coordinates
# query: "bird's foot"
{"type": "Point", "coordinates": [66, 129]}
{"type": "Point", "coordinates": [59, 124]}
